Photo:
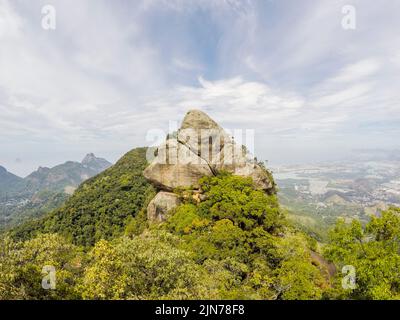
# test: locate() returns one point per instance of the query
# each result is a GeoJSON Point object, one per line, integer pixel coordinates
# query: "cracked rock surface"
{"type": "Point", "coordinates": [201, 148]}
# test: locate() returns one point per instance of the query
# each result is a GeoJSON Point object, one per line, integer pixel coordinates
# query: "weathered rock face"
{"type": "Point", "coordinates": [260, 177]}
{"type": "Point", "coordinates": [233, 158]}
{"type": "Point", "coordinates": [160, 205]}
{"type": "Point", "coordinates": [176, 166]}
{"type": "Point", "coordinates": [202, 135]}
{"type": "Point", "coordinates": [201, 148]}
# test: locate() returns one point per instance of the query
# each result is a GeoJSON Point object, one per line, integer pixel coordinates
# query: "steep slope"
{"type": "Point", "coordinates": [7, 177]}
{"type": "Point", "coordinates": [9, 183]}
{"type": "Point", "coordinates": [13, 195]}
{"type": "Point", "coordinates": [101, 206]}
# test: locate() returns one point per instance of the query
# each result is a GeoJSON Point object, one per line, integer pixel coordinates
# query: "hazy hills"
{"type": "Point", "coordinates": [7, 178]}
{"type": "Point", "coordinates": [9, 183]}
{"type": "Point", "coordinates": [44, 189]}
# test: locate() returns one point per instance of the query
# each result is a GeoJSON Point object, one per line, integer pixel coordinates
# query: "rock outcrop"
{"type": "Point", "coordinates": [200, 148]}
{"type": "Point", "coordinates": [202, 135]}
{"type": "Point", "coordinates": [176, 166]}
{"type": "Point", "coordinates": [160, 205]}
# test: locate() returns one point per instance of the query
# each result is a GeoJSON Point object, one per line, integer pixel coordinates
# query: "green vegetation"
{"type": "Point", "coordinates": [373, 251]}
{"type": "Point", "coordinates": [236, 243]}
{"type": "Point", "coordinates": [21, 266]}
{"type": "Point", "coordinates": [10, 184]}
{"type": "Point", "coordinates": [42, 203]}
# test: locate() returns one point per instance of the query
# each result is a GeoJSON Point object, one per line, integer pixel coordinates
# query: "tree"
{"type": "Point", "coordinates": [373, 251]}
{"type": "Point", "coordinates": [297, 278]}
{"type": "Point", "coordinates": [148, 266]}
{"type": "Point", "coordinates": [235, 244]}
{"type": "Point", "coordinates": [22, 264]}
{"type": "Point", "coordinates": [238, 231]}
{"type": "Point", "coordinates": [104, 276]}
{"type": "Point", "coordinates": [237, 199]}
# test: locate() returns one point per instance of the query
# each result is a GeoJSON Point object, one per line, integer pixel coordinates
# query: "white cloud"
{"type": "Point", "coordinates": [342, 96]}
{"type": "Point", "coordinates": [10, 22]}
{"type": "Point", "coordinates": [358, 71]}
{"type": "Point", "coordinates": [234, 101]}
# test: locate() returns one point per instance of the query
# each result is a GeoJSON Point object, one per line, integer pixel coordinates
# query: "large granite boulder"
{"type": "Point", "coordinates": [202, 135]}
{"type": "Point", "coordinates": [200, 148]}
{"type": "Point", "coordinates": [175, 165]}
{"type": "Point", "coordinates": [160, 205]}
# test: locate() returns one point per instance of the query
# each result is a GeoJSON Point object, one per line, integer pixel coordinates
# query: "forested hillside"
{"type": "Point", "coordinates": [234, 245]}
{"type": "Point", "coordinates": [101, 206]}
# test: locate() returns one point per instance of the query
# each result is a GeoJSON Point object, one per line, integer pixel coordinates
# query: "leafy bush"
{"type": "Point", "coordinates": [242, 231]}
{"type": "Point", "coordinates": [373, 251]}
{"type": "Point", "coordinates": [22, 264]}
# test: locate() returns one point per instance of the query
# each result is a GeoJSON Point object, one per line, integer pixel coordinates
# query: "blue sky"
{"type": "Point", "coordinates": [113, 70]}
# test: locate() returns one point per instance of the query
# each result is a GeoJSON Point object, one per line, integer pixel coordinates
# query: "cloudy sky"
{"type": "Point", "coordinates": [113, 70]}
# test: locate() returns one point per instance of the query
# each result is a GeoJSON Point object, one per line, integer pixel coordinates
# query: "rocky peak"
{"type": "Point", "coordinates": [89, 158]}
{"type": "Point", "coordinates": [203, 136]}
{"type": "Point", "coordinates": [197, 119]}
{"type": "Point", "coordinates": [200, 148]}
{"type": "Point", "coordinates": [92, 162]}
{"type": "Point", "coordinates": [43, 170]}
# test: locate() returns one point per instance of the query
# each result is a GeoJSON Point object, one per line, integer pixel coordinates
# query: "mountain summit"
{"type": "Point", "coordinates": [200, 148]}
{"type": "Point", "coordinates": [68, 174]}
{"type": "Point", "coordinates": [97, 164]}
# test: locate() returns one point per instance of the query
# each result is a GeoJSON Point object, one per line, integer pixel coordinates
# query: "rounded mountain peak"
{"type": "Point", "coordinates": [197, 119]}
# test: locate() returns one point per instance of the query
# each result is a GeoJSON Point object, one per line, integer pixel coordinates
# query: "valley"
{"type": "Point", "coordinates": [317, 194]}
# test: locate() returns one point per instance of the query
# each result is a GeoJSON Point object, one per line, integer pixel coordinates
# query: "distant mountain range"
{"type": "Point", "coordinates": [67, 176]}
{"type": "Point", "coordinates": [44, 189]}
